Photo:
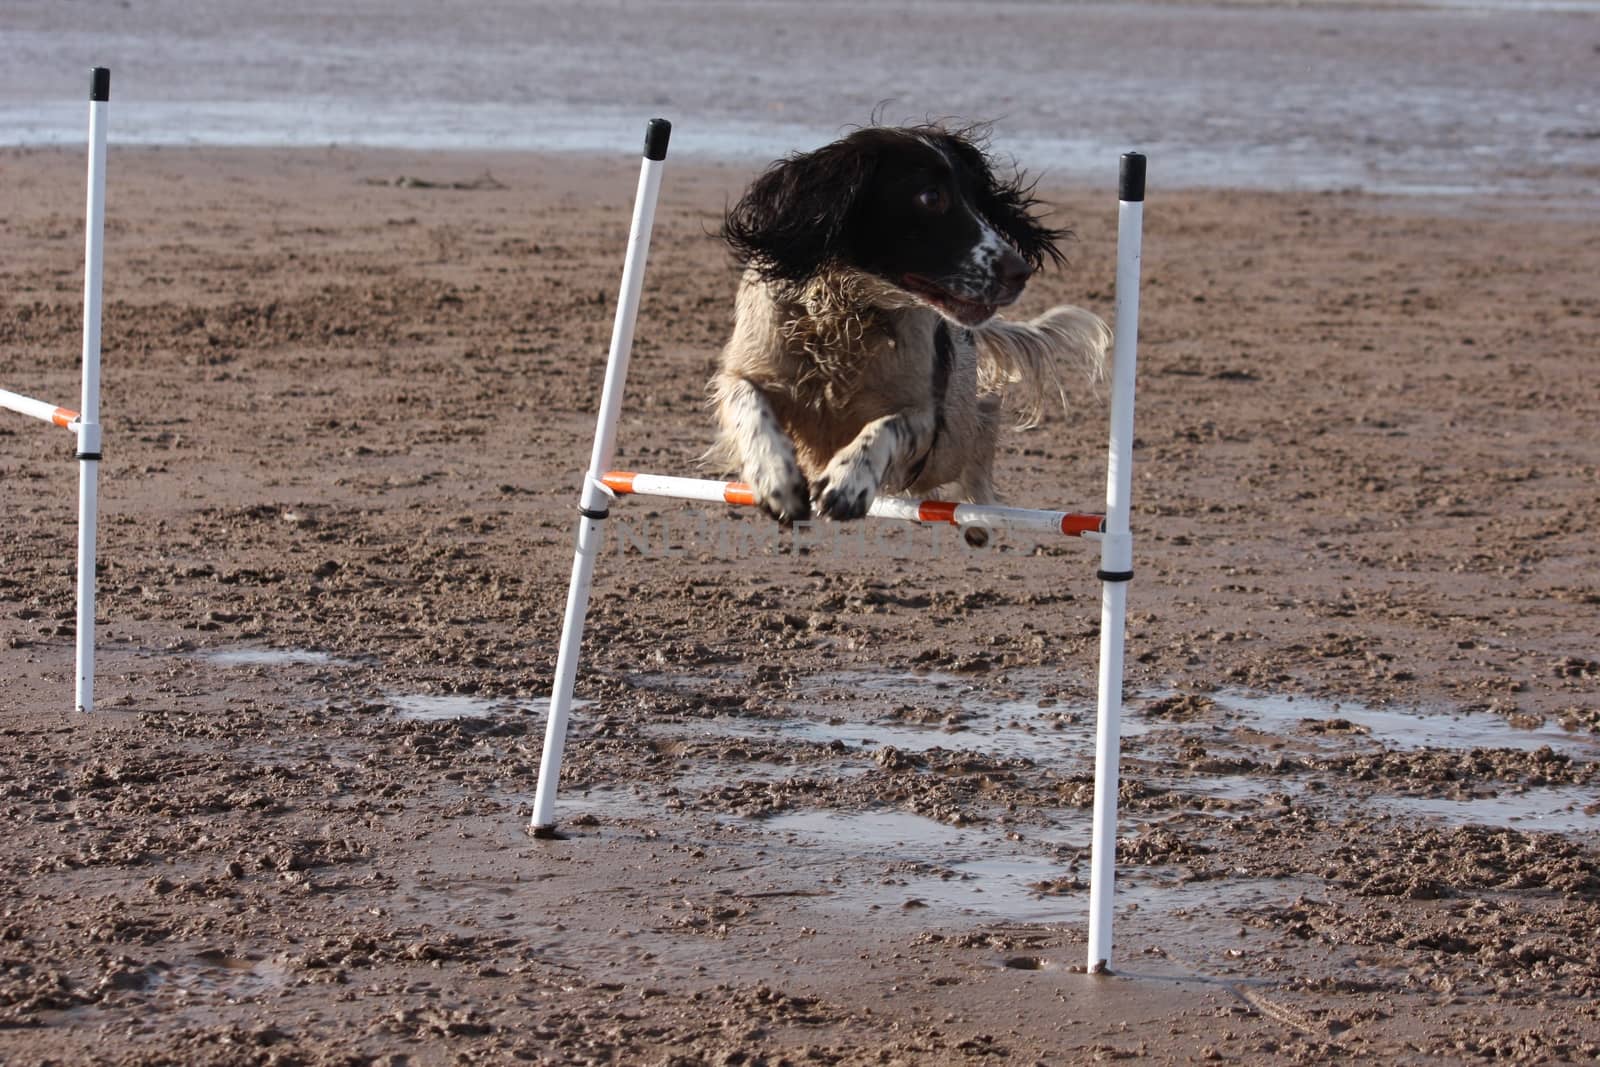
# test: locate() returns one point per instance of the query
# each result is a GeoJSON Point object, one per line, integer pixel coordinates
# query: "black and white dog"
{"type": "Point", "coordinates": [866, 356]}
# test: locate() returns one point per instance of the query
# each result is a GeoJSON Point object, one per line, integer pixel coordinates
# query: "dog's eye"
{"type": "Point", "coordinates": [934, 200]}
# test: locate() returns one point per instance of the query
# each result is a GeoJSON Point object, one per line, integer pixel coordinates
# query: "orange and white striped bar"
{"type": "Point", "coordinates": [986, 516]}
{"type": "Point", "coordinates": [38, 409]}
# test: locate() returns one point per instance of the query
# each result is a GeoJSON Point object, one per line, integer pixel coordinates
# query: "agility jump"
{"type": "Point", "coordinates": [962, 515]}
{"type": "Point", "coordinates": [601, 485]}
{"type": "Point", "coordinates": [85, 422]}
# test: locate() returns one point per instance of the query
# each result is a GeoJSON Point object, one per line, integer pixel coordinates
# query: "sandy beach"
{"type": "Point", "coordinates": [826, 805]}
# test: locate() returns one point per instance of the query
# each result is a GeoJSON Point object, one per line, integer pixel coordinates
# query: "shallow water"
{"type": "Point", "coordinates": [1408, 729]}
{"type": "Point", "coordinates": [1475, 97]}
{"type": "Point", "coordinates": [273, 657]}
{"type": "Point", "coordinates": [1009, 716]}
{"type": "Point", "coordinates": [207, 977]}
{"type": "Point", "coordinates": [1536, 809]}
{"type": "Point", "coordinates": [935, 866]}
{"type": "Point", "coordinates": [1559, 810]}
{"type": "Point", "coordinates": [979, 717]}
{"type": "Point", "coordinates": [428, 707]}
{"type": "Point", "coordinates": [929, 864]}
{"type": "Point", "coordinates": [992, 718]}
{"type": "Point", "coordinates": [984, 874]}
{"type": "Point", "coordinates": [997, 730]}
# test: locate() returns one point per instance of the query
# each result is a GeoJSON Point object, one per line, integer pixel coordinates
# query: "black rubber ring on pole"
{"type": "Point", "coordinates": [90, 455]}
{"type": "Point", "coordinates": [656, 134]}
{"type": "Point", "coordinates": [548, 833]}
{"type": "Point", "coordinates": [1131, 187]}
{"type": "Point", "coordinates": [590, 513]}
{"type": "Point", "coordinates": [99, 83]}
{"type": "Point", "coordinates": [1114, 576]}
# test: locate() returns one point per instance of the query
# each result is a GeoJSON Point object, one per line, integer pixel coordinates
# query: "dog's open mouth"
{"type": "Point", "coordinates": [965, 311]}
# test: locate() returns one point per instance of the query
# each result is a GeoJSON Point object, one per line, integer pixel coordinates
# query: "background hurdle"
{"type": "Point", "coordinates": [1112, 531]}
{"type": "Point", "coordinates": [85, 422]}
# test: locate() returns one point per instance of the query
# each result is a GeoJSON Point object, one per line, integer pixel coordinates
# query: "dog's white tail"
{"type": "Point", "coordinates": [1026, 360]}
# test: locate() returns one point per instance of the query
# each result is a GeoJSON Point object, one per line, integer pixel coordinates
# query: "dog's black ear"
{"type": "Point", "coordinates": [1009, 204]}
{"type": "Point", "coordinates": [792, 218]}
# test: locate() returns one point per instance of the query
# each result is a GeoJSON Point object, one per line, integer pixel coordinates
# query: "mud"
{"type": "Point", "coordinates": [825, 802]}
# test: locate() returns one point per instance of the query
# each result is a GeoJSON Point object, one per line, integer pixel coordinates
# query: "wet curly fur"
{"type": "Point", "coordinates": [866, 355]}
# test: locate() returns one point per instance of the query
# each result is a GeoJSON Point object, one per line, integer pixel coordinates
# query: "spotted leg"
{"type": "Point", "coordinates": [885, 449]}
{"type": "Point", "coordinates": [751, 431]}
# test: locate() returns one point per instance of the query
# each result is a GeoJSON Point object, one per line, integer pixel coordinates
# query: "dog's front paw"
{"type": "Point", "coordinates": [846, 489]}
{"type": "Point", "coordinates": [781, 492]}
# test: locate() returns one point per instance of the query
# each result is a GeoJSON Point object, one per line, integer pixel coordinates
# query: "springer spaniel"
{"type": "Point", "coordinates": [866, 356]}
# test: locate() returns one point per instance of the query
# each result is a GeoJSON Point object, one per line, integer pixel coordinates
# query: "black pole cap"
{"type": "Point", "coordinates": [99, 83]}
{"type": "Point", "coordinates": [656, 134]}
{"type": "Point", "coordinates": [1132, 185]}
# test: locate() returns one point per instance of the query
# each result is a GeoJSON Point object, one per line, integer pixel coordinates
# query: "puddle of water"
{"type": "Point", "coordinates": [272, 657]}
{"type": "Point", "coordinates": [607, 805]}
{"type": "Point", "coordinates": [233, 977]}
{"type": "Point", "coordinates": [1404, 730]}
{"type": "Point", "coordinates": [211, 974]}
{"type": "Point", "coordinates": [1550, 809]}
{"type": "Point", "coordinates": [693, 781]}
{"type": "Point", "coordinates": [990, 738]}
{"type": "Point", "coordinates": [1231, 787]}
{"type": "Point", "coordinates": [848, 707]}
{"type": "Point", "coordinates": [991, 718]}
{"type": "Point", "coordinates": [424, 707]}
{"type": "Point", "coordinates": [1003, 718]}
{"type": "Point", "coordinates": [1560, 810]}
{"type": "Point", "coordinates": [936, 866]}
{"type": "Point", "coordinates": [980, 873]}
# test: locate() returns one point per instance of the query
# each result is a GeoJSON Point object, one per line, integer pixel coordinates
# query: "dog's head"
{"type": "Point", "coordinates": [921, 208]}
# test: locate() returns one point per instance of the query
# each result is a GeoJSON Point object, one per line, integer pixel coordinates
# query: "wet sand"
{"type": "Point", "coordinates": [824, 806]}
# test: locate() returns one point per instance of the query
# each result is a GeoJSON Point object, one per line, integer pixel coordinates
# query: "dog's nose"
{"type": "Point", "coordinates": [1012, 271]}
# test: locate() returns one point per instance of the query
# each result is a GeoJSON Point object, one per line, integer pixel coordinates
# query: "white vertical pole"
{"type": "Point", "coordinates": [1116, 564]}
{"type": "Point", "coordinates": [593, 507]}
{"type": "Point", "coordinates": [88, 424]}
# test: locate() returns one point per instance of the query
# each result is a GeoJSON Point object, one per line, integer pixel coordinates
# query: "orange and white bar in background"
{"type": "Point", "coordinates": [38, 409]}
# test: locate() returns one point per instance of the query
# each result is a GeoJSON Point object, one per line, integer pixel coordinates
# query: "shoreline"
{"type": "Point", "coordinates": [737, 172]}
